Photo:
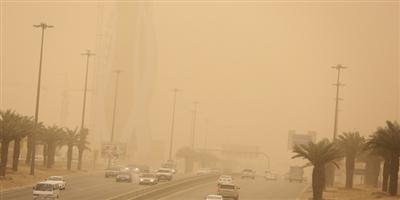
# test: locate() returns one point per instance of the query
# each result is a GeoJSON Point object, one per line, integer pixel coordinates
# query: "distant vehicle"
{"type": "Point", "coordinates": [171, 165]}
{"type": "Point", "coordinates": [148, 178]}
{"type": "Point", "coordinates": [165, 174]}
{"type": "Point", "coordinates": [138, 168]}
{"type": "Point", "coordinates": [203, 171]}
{"type": "Point", "coordinates": [214, 197]}
{"type": "Point", "coordinates": [216, 171]}
{"type": "Point", "coordinates": [48, 189]}
{"type": "Point", "coordinates": [296, 174]}
{"type": "Point", "coordinates": [269, 176]}
{"type": "Point", "coordinates": [248, 173]}
{"type": "Point", "coordinates": [125, 176]}
{"type": "Point", "coordinates": [60, 180]}
{"type": "Point", "coordinates": [228, 191]}
{"type": "Point", "coordinates": [225, 179]}
{"type": "Point", "coordinates": [112, 172]}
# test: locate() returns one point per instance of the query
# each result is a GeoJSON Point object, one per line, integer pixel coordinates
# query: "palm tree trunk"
{"type": "Point", "coordinates": [188, 165]}
{"type": "Point", "coordinates": [69, 157]}
{"type": "Point", "coordinates": [29, 150]}
{"type": "Point", "coordinates": [350, 160]}
{"type": "Point", "coordinates": [45, 154]}
{"type": "Point", "coordinates": [318, 182]}
{"type": "Point", "coordinates": [80, 156]}
{"type": "Point", "coordinates": [16, 152]}
{"type": "Point", "coordinates": [4, 156]}
{"type": "Point", "coordinates": [50, 155]}
{"type": "Point", "coordinates": [385, 175]}
{"type": "Point", "coordinates": [372, 168]}
{"type": "Point", "coordinates": [329, 175]}
{"type": "Point", "coordinates": [394, 173]}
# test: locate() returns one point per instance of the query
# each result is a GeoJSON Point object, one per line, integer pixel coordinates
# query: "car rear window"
{"type": "Point", "coordinates": [44, 187]}
{"type": "Point", "coordinates": [228, 187]}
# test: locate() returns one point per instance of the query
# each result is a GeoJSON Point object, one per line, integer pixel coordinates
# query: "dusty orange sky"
{"type": "Point", "coordinates": [258, 69]}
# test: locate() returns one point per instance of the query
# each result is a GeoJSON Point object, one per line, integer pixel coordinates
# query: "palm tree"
{"type": "Point", "coordinates": [27, 125]}
{"type": "Point", "coordinates": [351, 144]}
{"type": "Point", "coordinates": [387, 141]}
{"type": "Point", "coordinates": [189, 155]}
{"type": "Point", "coordinates": [82, 144]}
{"type": "Point", "coordinates": [319, 155]}
{"type": "Point", "coordinates": [71, 139]}
{"type": "Point", "coordinates": [9, 125]}
{"type": "Point", "coordinates": [51, 137]}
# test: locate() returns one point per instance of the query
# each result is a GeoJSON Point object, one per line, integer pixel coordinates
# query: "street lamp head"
{"type": "Point", "coordinates": [339, 66]}
{"type": "Point", "coordinates": [176, 90]}
{"type": "Point", "coordinates": [88, 53]}
{"type": "Point", "coordinates": [43, 26]}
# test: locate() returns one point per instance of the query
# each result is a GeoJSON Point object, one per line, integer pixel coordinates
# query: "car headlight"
{"type": "Point", "coordinates": [141, 179]}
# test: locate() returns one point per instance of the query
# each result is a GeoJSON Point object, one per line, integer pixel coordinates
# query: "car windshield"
{"type": "Point", "coordinates": [247, 170]}
{"type": "Point", "coordinates": [163, 171]}
{"type": "Point", "coordinates": [55, 178]}
{"type": "Point", "coordinates": [227, 187]}
{"type": "Point", "coordinates": [44, 187]}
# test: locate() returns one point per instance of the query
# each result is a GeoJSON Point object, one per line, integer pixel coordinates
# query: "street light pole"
{"type": "Point", "coordinates": [175, 90]}
{"type": "Point", "coordinates": [114, 111]}
{"type": "Point", "coordinates": [337, 99]}
{"type": "Point", "coordinates": [87, 54]}
{"type": "Point", "coordinates": [194, 123]}
{"type": "Point", "coordinates": [43, 26]}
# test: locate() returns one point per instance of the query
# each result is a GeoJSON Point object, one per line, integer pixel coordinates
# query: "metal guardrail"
{"type": "Point", "coordinates": [163, 188]}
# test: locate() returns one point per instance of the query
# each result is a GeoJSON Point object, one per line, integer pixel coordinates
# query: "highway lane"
{"type": "Point", "coordinates": [88, 187]}
{"type": "Point", "coordinates": [257, 189]}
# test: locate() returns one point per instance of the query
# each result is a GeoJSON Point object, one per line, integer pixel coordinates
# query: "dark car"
{"type": "Point", "coordinates": [248, 173]}
{"type": "Point", "coordinates": [124, 177]}
{"type": "Point", "coordinates": [137, 168]}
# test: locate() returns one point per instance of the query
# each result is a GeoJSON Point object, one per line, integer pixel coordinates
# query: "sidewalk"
{"type": "Point", "coordinates": [359, 192]}
{"type": "Point", "coordinates": [21, 178]}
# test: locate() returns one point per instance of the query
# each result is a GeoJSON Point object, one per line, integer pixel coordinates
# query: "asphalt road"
{"type": "Point", "coordinates": [257, 189]}
{"type": "Point", "coordinates": [93, 187]}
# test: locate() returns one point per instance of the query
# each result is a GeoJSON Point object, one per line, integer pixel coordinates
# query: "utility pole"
{"type": "Point", "coordinates": [338, 85]}
{"type": "Point", "coordinates": [42, 26]}
{"type": "Point", "coordinates": [206, 133]}
{"type": "Point", "coordinates": [330, 169]}
{"type": "Point", "coordinates": [196, 103]}
{"type": "Point", "coordinates": [114, 111]}
{"type": "Point", "coordinates": [88, 54]}
{"type": "Point", "coordinates": [171, 137]}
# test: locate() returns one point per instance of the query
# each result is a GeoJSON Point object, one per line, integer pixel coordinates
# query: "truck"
{"type": "Point", "coordinates": [296, 174]}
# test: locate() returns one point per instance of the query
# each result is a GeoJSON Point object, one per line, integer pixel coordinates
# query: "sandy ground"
{"type": "Point", "coordinates": [359, 192]}
{"type": "Point", "coordinates": [21, 178]}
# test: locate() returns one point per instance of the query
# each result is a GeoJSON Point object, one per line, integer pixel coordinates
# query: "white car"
{"type": "Point", "coordinates": [214, 197]}
{"type": "Point", "coordinates": [59, 180]}
{"type": "Point", "coordinates": [46, 190]}
{"type": "Point", "coordinates": [165, 174]}
{"type": "Point", "coordinates": [225, 179]}
{"type": "Point", "coordinates": [203, 171]}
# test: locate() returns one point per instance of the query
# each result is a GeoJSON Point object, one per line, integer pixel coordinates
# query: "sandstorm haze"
{"type": "Point", "coordinates": [258, 69]}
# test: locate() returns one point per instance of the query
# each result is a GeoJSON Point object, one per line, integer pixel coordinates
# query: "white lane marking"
{"type": "Point", "coordinates": [185, 191]}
